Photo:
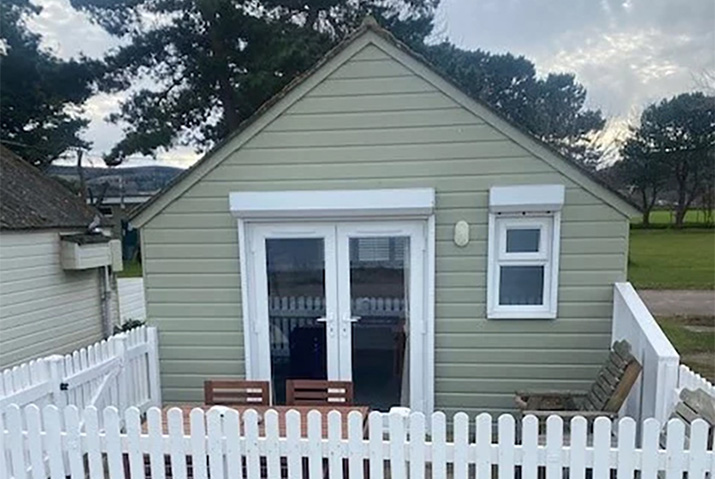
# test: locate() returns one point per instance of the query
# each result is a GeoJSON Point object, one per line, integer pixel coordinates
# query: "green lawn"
{"type": "Point", "coordinates": [694, 339]}
{"type": "Point", "coordinates": [672, 259]}
{"type": "Point", "coordinates": [666, 217]}
{"type": "Point", "coordinates": [132, 269]}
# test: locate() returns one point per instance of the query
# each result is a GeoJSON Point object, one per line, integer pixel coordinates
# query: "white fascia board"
{"type": "Point", "coordinates": [512, 199]}
{"type": "Point", "coordinates": [417, 202]}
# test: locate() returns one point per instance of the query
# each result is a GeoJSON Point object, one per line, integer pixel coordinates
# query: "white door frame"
{"type": "Point", "coordinates": [415, 231]}
{"type": "Point", "coordinates": [253, 208]}
{"type": "Point", "coordinates": [259, 324]}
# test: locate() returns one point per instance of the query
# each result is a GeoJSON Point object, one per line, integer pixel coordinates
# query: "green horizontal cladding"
{"type": "Point", "coordinates": [592, 230]}
{"type": "Point", "coordinates": [374, 124]}
{"type": "Point", "coordinates": [444, 248]}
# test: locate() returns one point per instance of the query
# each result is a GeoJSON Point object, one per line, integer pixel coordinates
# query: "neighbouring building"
{"type": "Point", "coordinates": [57, 287]}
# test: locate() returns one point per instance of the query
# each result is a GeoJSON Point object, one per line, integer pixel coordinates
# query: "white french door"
{"type": "Point", "coordinates": [380, 284]}
{"type": "Point", "coordinates": [339, 301]}
{"type": "Point", "coordinates": [294, 303]}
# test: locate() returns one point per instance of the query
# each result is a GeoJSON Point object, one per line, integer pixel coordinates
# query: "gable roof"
{"type": "Point", "coordinates": [30, 199]}
{"type": "Point", "coordinates": [371, 33]}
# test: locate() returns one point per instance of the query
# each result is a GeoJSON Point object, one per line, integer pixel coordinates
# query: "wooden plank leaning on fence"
{"type": "Point", "coordinates": [605, 397]}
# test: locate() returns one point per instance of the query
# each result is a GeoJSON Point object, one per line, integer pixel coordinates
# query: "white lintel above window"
{"type": "Point", "coordinates": [523, 254]}
{"type": "Point", "coordinates": [416, 202]}
{"type": "Point", "coordinates": [526, 198]}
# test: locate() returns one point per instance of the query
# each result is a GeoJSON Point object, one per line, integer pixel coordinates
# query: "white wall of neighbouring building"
{"type": "Point", "coordinates": [44, 309]}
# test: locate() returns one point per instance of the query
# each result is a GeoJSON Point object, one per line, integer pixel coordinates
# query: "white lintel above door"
{"type": "Point", "coordinates": [408, 202]}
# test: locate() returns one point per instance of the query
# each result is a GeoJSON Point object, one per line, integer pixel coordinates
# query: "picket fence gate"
{"type": "Point", "coordinates": [220, 444]}
{"type": "Point", "coordinates": [121, 371]}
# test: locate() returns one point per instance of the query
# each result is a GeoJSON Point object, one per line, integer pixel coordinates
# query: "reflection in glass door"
{"type": "Point", "coordinates": [379, 307]}
{"type": "Point", "coordinates": [296, 304]}
{"type": "Point", "coordinates": [377, 277]}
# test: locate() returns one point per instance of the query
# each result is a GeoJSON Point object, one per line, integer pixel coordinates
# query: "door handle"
{"type": "Point", "coordinates": [351, 319]}
{"type": "Point", "coordinates": [329, 324]}
{"type": "Point", "coordinates": [347, 320]}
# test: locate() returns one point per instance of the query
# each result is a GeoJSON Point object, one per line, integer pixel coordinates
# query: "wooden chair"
{"type": "Point", "coordinates": [604, 398]}
{"type": "Point", "coordinates": [693, 405]}
{"type": "Point", "coordinates": [311, 392]}
{"type": "Point", "coordinates": [236, 392]}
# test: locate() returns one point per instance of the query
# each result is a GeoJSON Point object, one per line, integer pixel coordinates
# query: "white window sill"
{"type": "Point", "coordinates": [521, 315]}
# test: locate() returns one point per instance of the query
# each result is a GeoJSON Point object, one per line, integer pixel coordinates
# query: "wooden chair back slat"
{"type": "Point", "coordinates": [620, 393]}
{"type": "Point", "coordinates": [312, 392]}
{"type": "Point", "coordinates": [694, 404]}
{"type": "Point", "coordinates": [614, 380]}
{"type": "Point", "coordinates": [236, 392]}
{"type": "Point", "coordinates": [701, 403]}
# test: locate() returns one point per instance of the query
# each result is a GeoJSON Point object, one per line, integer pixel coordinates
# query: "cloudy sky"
{"type": "Point", "coordinates": [627, 53]}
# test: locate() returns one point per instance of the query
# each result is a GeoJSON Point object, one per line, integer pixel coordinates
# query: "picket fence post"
{"type": "Point", "coordinates": [154, 381]}
{"type": "Point", "coordinates": [56, 363]}
{"type": "Point", "coordinates": [120, 349]}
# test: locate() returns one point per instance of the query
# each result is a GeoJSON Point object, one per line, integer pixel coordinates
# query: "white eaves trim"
{"type": "Point", "coordinates": [513, 199]}
{"type": "Point", "coordinates": [415, 202]}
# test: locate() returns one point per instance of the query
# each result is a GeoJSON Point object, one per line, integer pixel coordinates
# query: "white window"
{"type": "Point", "coordinates": [523, 252]}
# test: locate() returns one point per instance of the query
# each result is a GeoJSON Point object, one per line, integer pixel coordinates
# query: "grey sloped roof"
{"type": "Point", "coordinates": [30, 199]}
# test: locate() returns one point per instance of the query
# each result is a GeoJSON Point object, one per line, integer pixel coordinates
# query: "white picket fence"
{"type": "Point", "coordinates": [122, 371]}
{"type": "Point", "coordinates": [656, 393]}
{"type": "Point", "coordinates": [220, 444]}
{"type": "Point", "coordinates": [689, 379]}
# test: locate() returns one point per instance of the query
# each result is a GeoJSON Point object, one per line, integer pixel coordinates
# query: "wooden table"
{"type": "Point", "coordinates": [281, 410]}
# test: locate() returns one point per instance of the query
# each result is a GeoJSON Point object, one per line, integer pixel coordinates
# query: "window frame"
{"type": "Point", "coordinates": [549, 224]}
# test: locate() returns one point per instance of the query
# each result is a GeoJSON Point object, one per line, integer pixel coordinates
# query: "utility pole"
{"type": "Point", "coordinates": [80, 174]}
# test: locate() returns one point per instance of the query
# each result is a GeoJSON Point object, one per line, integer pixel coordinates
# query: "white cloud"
{"type": "Point", "coordinates": [68, 32]}
{"type": "Point", "coordinates": [626, 69]}
{"type": "Point", "coordinates": [626, 53]}
{"type": "Point", "coordinates": [102, 134]}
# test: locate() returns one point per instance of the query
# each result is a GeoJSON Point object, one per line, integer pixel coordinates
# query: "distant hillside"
{"type": "Point", "coordinates": [134, 181]}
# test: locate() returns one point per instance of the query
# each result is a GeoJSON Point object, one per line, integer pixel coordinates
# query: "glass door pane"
{"type": "Point", "coordinates": [295, 270]}
{"type": "Point", "coordinates": [379, 279]}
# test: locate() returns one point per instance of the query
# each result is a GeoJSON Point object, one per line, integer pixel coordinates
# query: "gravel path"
{"type": "Point", "coordinates": [679, 302]}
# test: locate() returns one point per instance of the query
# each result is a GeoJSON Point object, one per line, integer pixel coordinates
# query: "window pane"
{"type": "Point", "coordinates": [522, 240]}
{"type": "Point", "coordinates": [521, 285]}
